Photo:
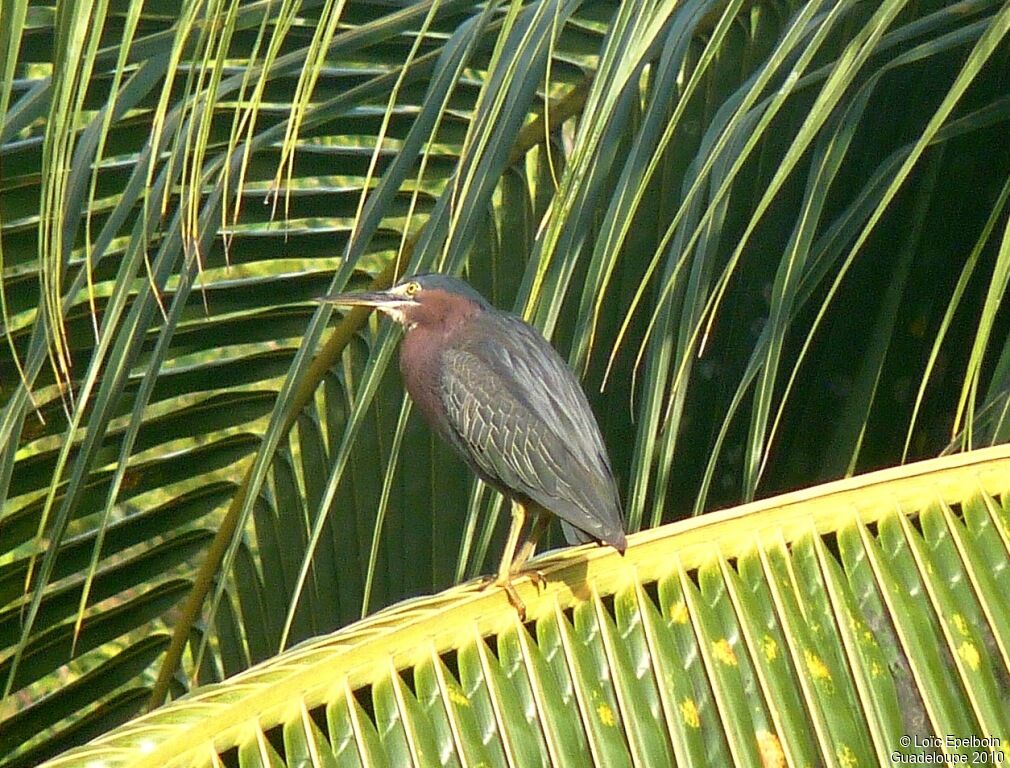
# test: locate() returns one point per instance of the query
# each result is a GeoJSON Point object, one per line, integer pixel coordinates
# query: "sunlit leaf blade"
{"type": "Point", "coordinates": [455, 677]}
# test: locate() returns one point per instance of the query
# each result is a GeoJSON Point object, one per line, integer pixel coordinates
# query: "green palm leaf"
{"type": "Point", "coordinates": [777, 230]}
{"type": "Point", "coordinates": [786, 629]}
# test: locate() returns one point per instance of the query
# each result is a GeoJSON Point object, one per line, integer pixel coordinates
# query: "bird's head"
{"type": "Point", "coordinates": [418, 300]}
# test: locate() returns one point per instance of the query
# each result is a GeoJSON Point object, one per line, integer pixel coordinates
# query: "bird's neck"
{"type": "Point", "coordinates": [424, 340]}
{"type": "Point", "coordinates": [435, 325]}
{"type": "Point", "coordinates": [436, 317]}
{"type": "Point", "coordinates": [420, 368]}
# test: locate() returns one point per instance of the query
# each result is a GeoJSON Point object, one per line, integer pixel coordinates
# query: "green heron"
{"type": "Point", "coordinates": [498, 393]}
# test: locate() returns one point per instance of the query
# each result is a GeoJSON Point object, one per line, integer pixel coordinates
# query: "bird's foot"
{"type": "Point", "coordinates": [505, 583]}
{"type": "Point", "coordinates": [513, 597]}
{"type": "Point", "coordinates": [538, 578]}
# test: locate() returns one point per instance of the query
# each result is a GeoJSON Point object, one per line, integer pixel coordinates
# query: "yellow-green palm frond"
{"type": "Point", "coordinates": [832, 626]}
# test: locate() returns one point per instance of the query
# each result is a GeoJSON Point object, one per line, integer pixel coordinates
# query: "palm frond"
{"type": "Point", "coordinates": [783, 630]}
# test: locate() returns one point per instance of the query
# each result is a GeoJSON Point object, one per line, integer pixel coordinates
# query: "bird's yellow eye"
{"type": "Point", "coordinates": [412, 288]}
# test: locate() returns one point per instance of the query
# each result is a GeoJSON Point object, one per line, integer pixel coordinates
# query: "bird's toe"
{"type": "Point", "coordinates": [537, 577]}
{"type": "Point", "coordinates": [510, 592]}
{"type": "Point", "coordinates": [514, 599]}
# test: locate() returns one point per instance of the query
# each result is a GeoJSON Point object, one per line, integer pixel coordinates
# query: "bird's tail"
{"type": "Point", "coordinates": [615, 538]}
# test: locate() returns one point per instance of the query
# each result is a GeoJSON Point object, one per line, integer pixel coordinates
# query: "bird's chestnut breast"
{"type": "Point", "coordinates": [433, 327]}
{"type": "Point", "coordinates": [419, 366]}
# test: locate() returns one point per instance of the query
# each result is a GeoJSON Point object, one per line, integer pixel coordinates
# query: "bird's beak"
{"type": "Point", "coordinates": [380, 299]}
{"type": "Point", "coordinates": [392, 302]}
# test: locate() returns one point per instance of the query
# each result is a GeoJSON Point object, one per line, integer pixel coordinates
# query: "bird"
{"type": "Point", "coordinates": [494, 389]}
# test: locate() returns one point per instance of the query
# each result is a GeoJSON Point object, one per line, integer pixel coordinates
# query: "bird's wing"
{"type": "Point", "coordinates": [517, 410]}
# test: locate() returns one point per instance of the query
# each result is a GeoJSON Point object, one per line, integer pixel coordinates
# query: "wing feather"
{"type": "Point", "coordinates": [516, 410]}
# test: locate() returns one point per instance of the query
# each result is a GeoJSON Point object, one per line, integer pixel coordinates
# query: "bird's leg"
{"type": "Point", "coordinates": [504, 578]}
{"type": "Point", "coordinates": [540, 522]}
{"type": "Point", "coordinates": [508, 556]}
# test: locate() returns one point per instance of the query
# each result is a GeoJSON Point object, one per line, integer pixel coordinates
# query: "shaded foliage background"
{"type": "Point", "coordinates": [781, 227]}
